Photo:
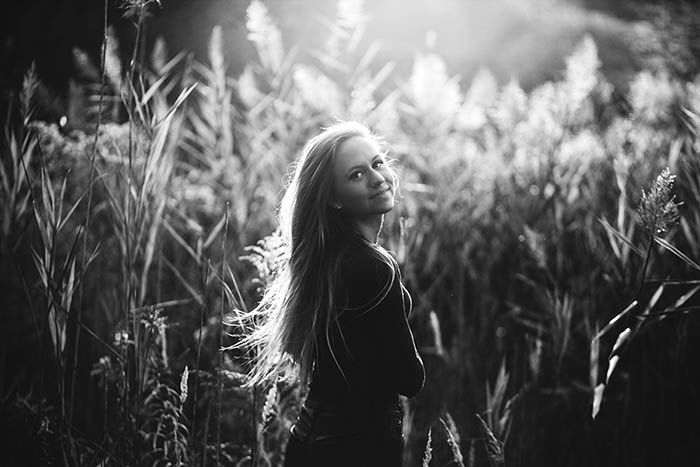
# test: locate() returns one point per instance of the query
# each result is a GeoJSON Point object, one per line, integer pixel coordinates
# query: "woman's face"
{"type": "Point", "coordinates": [363, 183]}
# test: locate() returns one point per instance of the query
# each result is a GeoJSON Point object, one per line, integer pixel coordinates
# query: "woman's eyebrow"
{"type": "Point", "coordinates": [361, 166]}
{"type": "Point", "coordinates": [353, 168]}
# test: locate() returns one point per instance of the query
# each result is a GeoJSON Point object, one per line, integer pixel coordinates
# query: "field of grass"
{"type": "Point", "coordinates": [549, 239]}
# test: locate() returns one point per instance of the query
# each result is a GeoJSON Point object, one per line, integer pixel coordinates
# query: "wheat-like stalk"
{"type": "Point", "coordinates": [428, 453]}
{"type": "Point", "coordinates": [453, 440]}
{"type": "Point", "coordinates": [494, 448]}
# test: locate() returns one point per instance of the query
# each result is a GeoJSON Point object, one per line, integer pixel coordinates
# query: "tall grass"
{"type": "Point", "coordinates": [517, 231]}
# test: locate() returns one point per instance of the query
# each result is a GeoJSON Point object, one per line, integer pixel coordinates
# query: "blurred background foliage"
{"type": "Point", "coordinates": [551, 257]}
{"type": "Point", "coordinates": [525, 39]}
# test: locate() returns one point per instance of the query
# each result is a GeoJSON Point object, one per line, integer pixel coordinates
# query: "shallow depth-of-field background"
{"type": "Point", "coordinates": [549, 238]}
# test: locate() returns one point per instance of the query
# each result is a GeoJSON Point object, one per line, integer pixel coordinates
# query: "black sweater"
{"type": "Point", "coordinates": [378, 355]}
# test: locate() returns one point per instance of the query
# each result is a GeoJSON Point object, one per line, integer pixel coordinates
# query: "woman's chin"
{"type": "Point", "coordinates": [387, 207]}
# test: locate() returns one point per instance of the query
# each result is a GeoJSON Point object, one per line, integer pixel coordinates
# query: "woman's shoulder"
{"type": "Point", "coordinates": [366, 275]}
{"type": "Point", "coordinates": [369, 280]}
{"type": "Point", "coordinates": [360, 261]}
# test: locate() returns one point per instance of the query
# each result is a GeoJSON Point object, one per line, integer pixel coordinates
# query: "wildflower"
{"type": "Point", "coordinates": [216, 56]}
{"type": "Point", "coordinates": [159, 55]}
{"type": "Point", "coordinates": [511, 106]}
{"type": "Point", "coordinates": [453, 440]}
{"type": "Point", "coordinates": [541, 130]}
{"type": "Point", "coordinates": [574, 158]}
{"type": "Point", "coordinates": [351, 14]}
{"type": "Point", "coordinates": [658, 211]}
{"type": "Point", "coordinates": [693, 95]}
{"type": "Point", "coordinates": [121, 337]}
{"type": "Point", "coordinates": [45, 427]}
{"type": "Point", "coordinates": [30, 85]}
{"type": "Point", "coordinates": [102, 369]}
{"type": "Point", "coordinates": [318, 90]}
{"type": "Point", "coordinates": [437, 335]}
{"type": "Point", "coordinates": [433, 92]}
{"type": "Point", "coordinates": [652, 95]}
{"type": "Point", "coordinates": [263, 32]}
{"type": "Point", "coordinates": [362, 102]}
{"type": "Point", "coordinates": [269, 408]}
{"type": "Point", "coordinates": [581, 72]}
{"type": "Point", "coordinates": [113, 64]}
{"type": "Point", "coordinates": [428, 454]}
{"type": "Point", "coordinates": [535, 357]}
{"type": "Point", "coordinates": [268, 257]}
{"type": "Point", "coordinates": [536, 244]}
{"type": "Point", "coordinates": [580, 150]}
{"type": "Point", "coordinates": [183, 385]}
{"type": "Point", "coordinates": [481, 95]}
{"type": "Point", "coordinates": [494, 448]}
{"type": "Point", "coordinates": [248, 88]}
{"type": "Point", "coordinates": [103, 365]}
{"type": "Point", "coordinates": [483, 91]}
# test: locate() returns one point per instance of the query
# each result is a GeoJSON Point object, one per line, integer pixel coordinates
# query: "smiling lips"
{"type": "Point", "coordinates": [376, 195]}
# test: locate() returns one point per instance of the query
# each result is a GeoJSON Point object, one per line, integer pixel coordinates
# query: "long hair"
{"type": "Point", "coordinates": [299, 302]}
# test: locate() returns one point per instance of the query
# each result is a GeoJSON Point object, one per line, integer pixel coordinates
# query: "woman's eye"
{"type": "Point", "coordinates": [356, 175]}
{"type": "Point", "coordinates": [378, 163]}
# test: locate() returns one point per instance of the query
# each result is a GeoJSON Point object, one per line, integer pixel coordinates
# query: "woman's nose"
{"type": "Point", "coordinates": [377, 178]}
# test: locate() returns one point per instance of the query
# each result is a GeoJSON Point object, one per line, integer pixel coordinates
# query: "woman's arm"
{"type": "Point", "coordinates": [391, 352]}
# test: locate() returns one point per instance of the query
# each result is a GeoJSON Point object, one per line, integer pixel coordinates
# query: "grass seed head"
{"type": "Point", "coordinates": [658, 210]}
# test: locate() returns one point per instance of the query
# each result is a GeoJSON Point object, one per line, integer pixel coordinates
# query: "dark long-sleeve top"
{"type": "Point", "coordinates": [378, 356]}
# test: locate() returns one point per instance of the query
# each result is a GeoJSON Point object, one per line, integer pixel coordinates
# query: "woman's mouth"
{"type": "Point", "coordinates": [383, 193]}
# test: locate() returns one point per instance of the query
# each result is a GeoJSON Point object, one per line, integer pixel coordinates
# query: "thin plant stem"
{"type": "Point", "coordinates": [129, 292]}
{"type": "Point", "coordinates": [202, 310]}
{"type": "Point", "coordinates": [105, 425]}
{"type": "Point", "coordinates": [670, 312]}
{"type": "Point", "coordinates": [206, 435]}
{"type": "Point", "coordinates": [646, 264]}
{"type": "Point", "coordinates": [255, 428]}
{"type": "Point", "coordinates": [132, 66]}
{"type": "Point", "coordinates": [220, 383]}
{"type": "Point", "coordinates": [88, 209]}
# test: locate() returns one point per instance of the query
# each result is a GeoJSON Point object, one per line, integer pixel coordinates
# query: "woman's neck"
{"type": "Point", "coordinates": [370, 227]}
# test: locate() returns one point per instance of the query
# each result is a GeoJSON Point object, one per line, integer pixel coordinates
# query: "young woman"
{"type": "Point", "coordinates": [336, 315]}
